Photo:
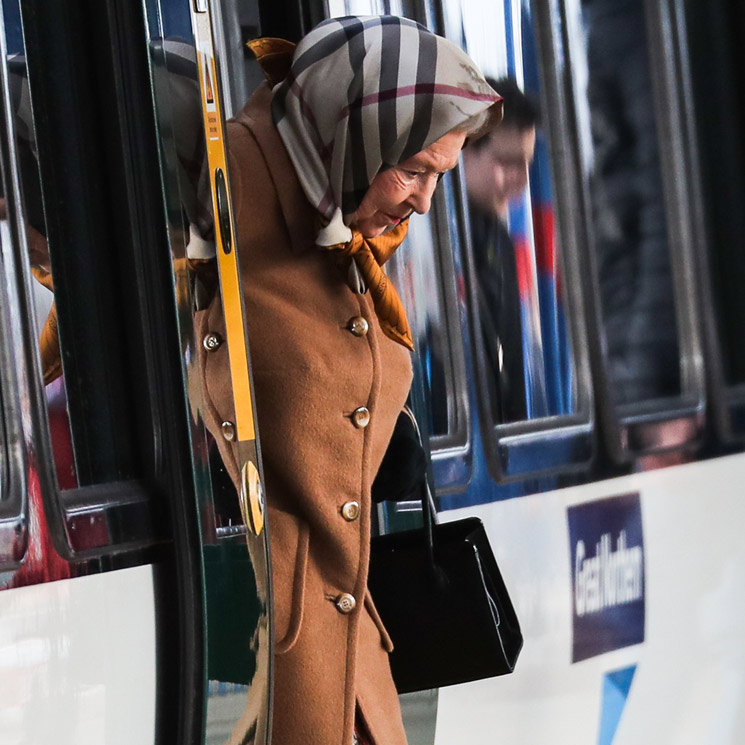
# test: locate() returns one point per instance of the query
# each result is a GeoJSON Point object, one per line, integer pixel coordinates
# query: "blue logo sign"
{"type": "Point", "coordinates": [607, 551]}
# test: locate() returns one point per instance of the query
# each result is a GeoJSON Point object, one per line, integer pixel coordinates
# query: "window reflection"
{"type": "Point", "coordinates": [38, 251]}
{"type": "Point", "coordinates": [426, 273]}
{"type": "Point", "coordinates": [425, 282]}
{"type": "Point", "coordinates": [497, 174]}
{"type": "Point", "coordinates": [629, 223]}
{"type": "Point", "coordinates": [715, 54]}
{"type": "Point", "coordinates": [177, 98]}
{"type": "Point", "coordinates": [530, 366]}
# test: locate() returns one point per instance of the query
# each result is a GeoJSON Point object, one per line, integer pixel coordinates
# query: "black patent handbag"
{"type": "Point", "coordinates": [441, 596]}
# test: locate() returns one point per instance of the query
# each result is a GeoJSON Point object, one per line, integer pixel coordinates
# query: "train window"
{"type": "Point", "coordinates": [102, 450]}
{"type": "Point", "coordinates": [13, 493]}
{"type": "Point", "coordinates": [425, 271]}
{"type": "Point", "coordinates": [525, 331]}
{"type": "Point", "coordinates": [3, 456]}
{"type": "Point", "coordinates": [633, 164]}
{"type": "Point", "coordinates": [95, 407]}
{"type": "Point", "coordinates": [533, 369]}
{"type": "Point", "coordinates": [428, 273]}
{"type": "Point", "coordinates": [716, 109]}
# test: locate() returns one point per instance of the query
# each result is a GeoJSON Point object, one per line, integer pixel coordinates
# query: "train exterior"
{"type": "Point", "coordinates": [600, 438]}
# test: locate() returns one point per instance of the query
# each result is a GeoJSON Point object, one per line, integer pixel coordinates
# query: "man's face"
{"type": "Point", "coordinates": [408, 187]}
{"type": "Point", "coordinates": [497, 170]}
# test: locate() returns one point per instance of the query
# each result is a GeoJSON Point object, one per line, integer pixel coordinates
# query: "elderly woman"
{"type": "Point", "coordinates": [326, 167]}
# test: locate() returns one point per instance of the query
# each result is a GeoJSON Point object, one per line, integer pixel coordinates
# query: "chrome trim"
{"type": "Point", "coordinates": [676, 165]}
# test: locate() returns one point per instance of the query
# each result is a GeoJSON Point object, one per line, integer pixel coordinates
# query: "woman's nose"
{"type": "Point", "coordinates": [420, 198]}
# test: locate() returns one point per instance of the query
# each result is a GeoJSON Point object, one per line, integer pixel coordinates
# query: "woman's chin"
{"type": "Point", "coordinates": [372, 231]}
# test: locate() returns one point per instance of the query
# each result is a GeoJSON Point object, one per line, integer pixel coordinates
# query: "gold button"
{"type": "Point", "coordinates": [358, 326]}
{"type": "Point", "coordinates": [345, 603]}
{"type": "Point", "coordinates": [211, 342]}
{"type": "Point", "coordinates": [228, 431]}
{"type": "Point", "coordinates": [361, 417]}
{"type": "Point", "coordinates": [350, 511]}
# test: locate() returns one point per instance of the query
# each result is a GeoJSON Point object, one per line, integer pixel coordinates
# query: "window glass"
{"type": "Point", "coordinates": [39, 256]}
{"type": "Point", "coordinates": [622, 163]}
{"type": "Point", "coordinates": [3, 455]}
{"type": "Point", "coordinates": [177, 98]}
{"type": "Point", "coordinates": [530, 365]}
{"type": "Point", "coordinates": [429, 278]}
{"type": "Point", "coordinates": [728, 262]}
{"type": "Point", "coordinates": [716, 65]}
{"type": "Point", "coordinates": [3, 447]}
{"type": "Point", "coordinates": [426, 281]}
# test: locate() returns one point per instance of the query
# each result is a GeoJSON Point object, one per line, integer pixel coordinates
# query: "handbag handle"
{"type": "Point", "coordinates": [429, 512]}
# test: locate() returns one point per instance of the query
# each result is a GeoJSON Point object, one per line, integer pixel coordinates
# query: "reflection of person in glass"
{"type": "Point", "coordinates": [327, 162]}
{"type": "Point", "coordinates": [497, 172]}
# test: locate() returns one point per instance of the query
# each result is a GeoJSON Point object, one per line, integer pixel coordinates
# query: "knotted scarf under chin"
{"type": "Point", "coordinates": [370, 254]}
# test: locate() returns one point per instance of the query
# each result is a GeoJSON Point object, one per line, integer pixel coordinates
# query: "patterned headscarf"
{"type": "Point", "coordinates": [364, 94]}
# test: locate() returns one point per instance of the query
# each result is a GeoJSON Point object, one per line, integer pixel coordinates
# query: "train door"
{"type": "Point", "coordinates": [135, 593]}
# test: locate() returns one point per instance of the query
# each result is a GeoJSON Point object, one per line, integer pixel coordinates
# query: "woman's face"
{"type": "Point", "coordinates": [408, 187]}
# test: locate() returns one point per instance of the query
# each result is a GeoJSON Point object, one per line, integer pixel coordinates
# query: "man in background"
{"type": "Point", "coordinates": [496, 168]}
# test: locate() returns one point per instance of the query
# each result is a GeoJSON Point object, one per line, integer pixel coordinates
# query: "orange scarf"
{"type": "Point", "coordinates": [51, 357]}
{"type": "Point", "coordinates": [370, 254]}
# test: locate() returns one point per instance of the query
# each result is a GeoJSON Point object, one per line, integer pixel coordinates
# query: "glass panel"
{"type": "Point", "coordinates": [177, 99]}
{"type": "Point", "coordinates": [524, 327]}
{"type": "Point", "coordinates": [425, 281]}
{"type": "Point", "coordinates": [715, 46]}
{"type": "Point", "coordinates": [4, 237]}
{"type": "Point", "coordinates": [39, 254]}
{"type": "Point", "coordinates": [430, 282]}
{"type": "Point", "coordinates": [621, 159]}
{"type": "Point", "coordinates": [3, 455]}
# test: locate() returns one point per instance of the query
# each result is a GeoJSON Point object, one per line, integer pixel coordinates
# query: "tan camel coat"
{"type": "Point", "coordinates": [314, 366]}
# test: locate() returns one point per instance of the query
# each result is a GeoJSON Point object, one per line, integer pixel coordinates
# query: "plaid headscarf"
{"type": "Point", "coordinates": [364, 94]}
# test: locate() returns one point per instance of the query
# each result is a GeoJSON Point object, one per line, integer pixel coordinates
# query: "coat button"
{"type": "Point", "coordinates": [345, 603]}
{"type": "Point", "coordinates": [228, 431]}
{"type": "Point", "coordinates": [358, 326]}
{"type": "Point", "coordinates": [361, 417]}
{"type": "Point", "coordinates": [211, 342]}
{"type": "Point", "coordinates": [350, 511]}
